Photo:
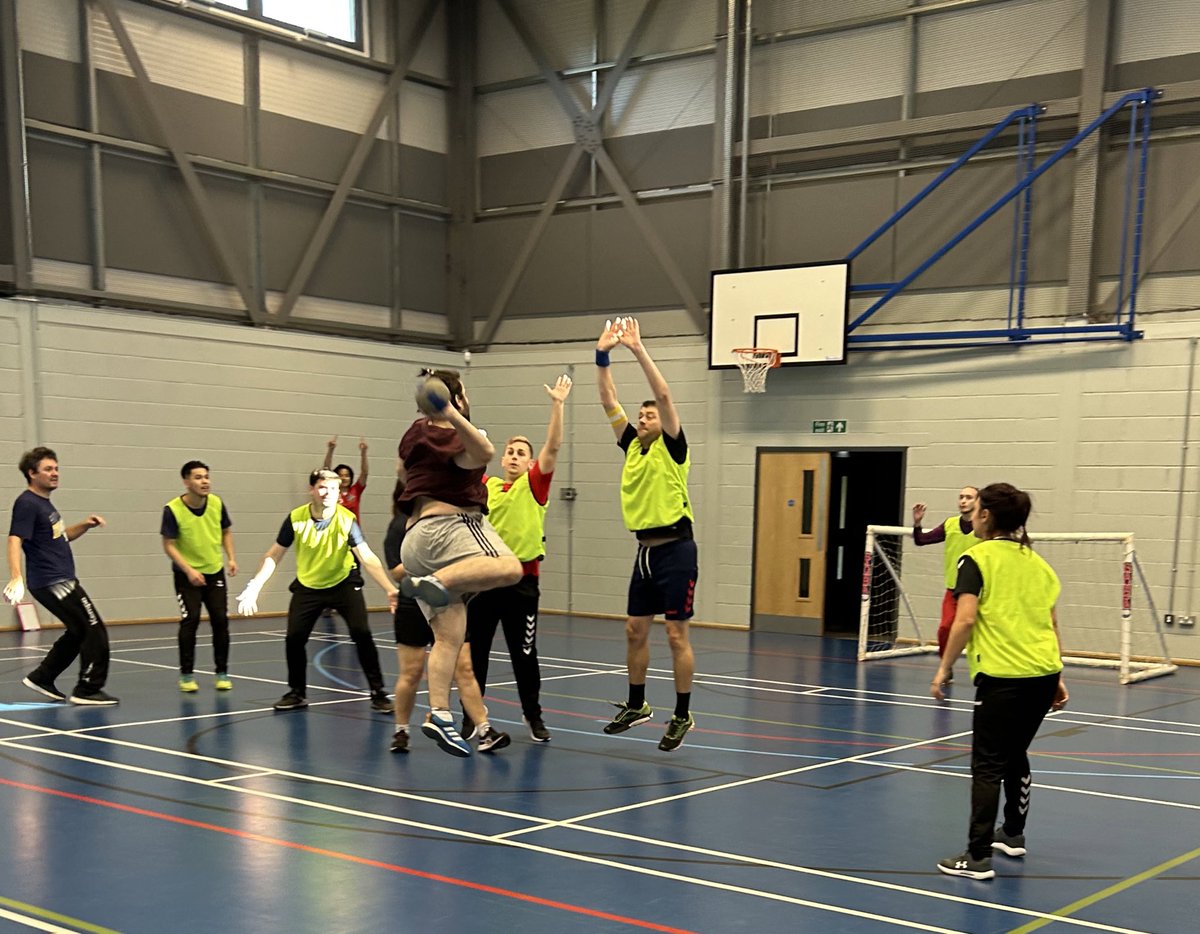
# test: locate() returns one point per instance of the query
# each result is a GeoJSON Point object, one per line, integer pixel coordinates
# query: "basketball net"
{"type": "Point", "coordinates": [754, 362]}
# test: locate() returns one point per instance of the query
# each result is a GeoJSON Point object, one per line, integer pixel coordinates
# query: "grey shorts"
{"type": "Point", "coordinates": [438, 541]}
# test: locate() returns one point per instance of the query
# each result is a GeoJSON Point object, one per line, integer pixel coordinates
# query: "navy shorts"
{"type": "Point", "coordinates": [664, 580]}
{"type": "Point", "coordinates": [410, 625]}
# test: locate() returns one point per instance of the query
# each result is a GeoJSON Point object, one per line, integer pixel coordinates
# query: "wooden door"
{"type": "Point", "coordinates": [791, 524]}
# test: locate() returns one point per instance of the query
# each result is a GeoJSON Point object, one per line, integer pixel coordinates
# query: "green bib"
{"type": "Point", "coordinates": [517, 517]}
{"type": "Point", "coordinates": [199, 540]}
{"type": "Point", "coordinates": [323, 557]}
{"type": "Point", "coordinates": [957, 544]}
{"type": "Point", "coordinates": [1013, 635]}
{"type": "Point", "coordinates": [654, 490]}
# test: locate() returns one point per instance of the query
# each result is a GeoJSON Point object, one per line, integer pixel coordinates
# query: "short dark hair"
{"type": "Point", "coordinates": [322, 474]}
{"type": "Point", "coordinates": [652, 403]}
{"type": "Point", "coordinates": [30, 460]}
{"type": "Point", "coordinates": [1008, 507]}
{"type": "Point", "coordinates": [186, 470]}
{"type": "Point", "coordinates": [341, 467]}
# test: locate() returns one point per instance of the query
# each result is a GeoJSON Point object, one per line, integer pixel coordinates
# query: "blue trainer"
{"type": "Point", "coordinates": [441, 730]}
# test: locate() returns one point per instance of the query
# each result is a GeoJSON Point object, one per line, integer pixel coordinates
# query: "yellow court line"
{"type": "Point", "coordinates": [1067, 910]}
{"type": "Point", "coordinates": [37, 912]}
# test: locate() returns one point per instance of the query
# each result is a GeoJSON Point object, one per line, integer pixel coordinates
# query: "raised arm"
{"type": "Point", "coordinates": [330, 447]}
{"type": "Point", "coordinates": [548, 456]}
{"type": "Point", "coordinates": [609, 339]}
{"type": "Point", "coordinates": [479, 450]}
{"type": "Point", "coordinates": [362, 470]}
{"type": "Point", "coordinates": [631, 337]}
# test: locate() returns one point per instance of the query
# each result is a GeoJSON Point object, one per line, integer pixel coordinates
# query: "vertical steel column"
{"type": "Point", "coordinates": [461, 28]}
{"type": "Point", "coordinates": [744, 106]}
{"type": "Point", "coordinates": [1094, 77]}
{"type": "Point", "coordinates": [12, 77]}
{"type": "Point", "coordinates": [95, 193]}
{"type": "Point", "coordinates": [252, 109]}
{"type": "Point", "coordinates": [395, 228]}
{"type": "Point", "coordinates": [724, 118]}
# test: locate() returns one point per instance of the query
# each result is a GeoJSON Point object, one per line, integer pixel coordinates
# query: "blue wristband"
{"type": "Point", "coordinates": [602, 358]}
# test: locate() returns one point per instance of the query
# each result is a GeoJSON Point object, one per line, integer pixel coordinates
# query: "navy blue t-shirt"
{"type": "Point", "coordinates": [43, 535]}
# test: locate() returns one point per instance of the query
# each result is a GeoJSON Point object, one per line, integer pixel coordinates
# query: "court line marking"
{"type": "Point", "coordinates": [36, 917]}
{"type": "Point", "coordinates": [345, 857]}
{"type": "Point", "coordinates": [1133, 799]}
{"type": "Point", "coordinates": [1062, 913]}
{"type": "Point", "coordinates": [524, 845]}
{"type": "Point", "coordinates": [471, 835]}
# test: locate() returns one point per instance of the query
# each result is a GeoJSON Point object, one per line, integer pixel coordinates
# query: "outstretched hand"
{"type": "Point", "coordinates": [918, 513]}
{"type": "Point", "coordinates": [362, 445]}
{"type": "Point", "coordinates": [247, 600]}
{"type": "Point", "coordinates": [610, 336]}
{"type": "Point", "coordinates": [332, 443]}
{"type": "Point", "coordinates": [560, 390]}
{"type": "Point", "coordinates": [630, 333]}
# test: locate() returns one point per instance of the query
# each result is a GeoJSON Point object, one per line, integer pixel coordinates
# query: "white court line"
{"type": "Point", "coordinates": [265, 773]}
{"type": "Point", "coordinates": [523, 845]}
{"type": "Point", "coordinates": [1040, 786]}
{"type": "Point", "coordinates": [36, 923]}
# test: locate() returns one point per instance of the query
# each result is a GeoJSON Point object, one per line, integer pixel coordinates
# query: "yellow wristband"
{"type": "Point", "coordinates": [616, 416]}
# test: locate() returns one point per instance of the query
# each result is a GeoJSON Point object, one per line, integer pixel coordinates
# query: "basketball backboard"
{"type": "Point", "coordinates": [798, 310]}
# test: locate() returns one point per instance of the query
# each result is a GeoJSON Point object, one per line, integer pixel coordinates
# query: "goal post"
{"type": "Point", "coordinates": [1106, 613]}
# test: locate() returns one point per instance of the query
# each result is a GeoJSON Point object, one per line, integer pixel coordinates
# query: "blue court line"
{"type": "Point", "coordinates": [316, 663]}
{"type": "Point", "coordinates": [28, 705]}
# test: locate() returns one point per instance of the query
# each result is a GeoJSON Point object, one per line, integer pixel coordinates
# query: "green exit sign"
{"type": "Point", "coordinates": [832, 426]}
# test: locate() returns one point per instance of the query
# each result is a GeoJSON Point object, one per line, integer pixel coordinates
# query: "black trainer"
{"type": "Point", "coordinates": [469, 729]}
{"type": "Point", "coordinates": [380, 702]}
{"type": "Point", "coordinates": [966, 865]}
{"type": "Point", "coordinates": [1008, 844]}
{"type": "Point", "coordinates": [537, 730]}
{"type": "Point", "coordinates": [292, 700]}
{"type": "Point", "coordinates": [43, 686]}
{"type": "Point", "coordinates": [93, 698]}
{"type": "Point", "coordinates": [492, 739]}
{"type": "Point", "coordinates": [399, 741]}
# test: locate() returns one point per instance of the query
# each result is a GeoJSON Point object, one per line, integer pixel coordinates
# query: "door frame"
{"type": "Point", "coordinates": [825, 448]}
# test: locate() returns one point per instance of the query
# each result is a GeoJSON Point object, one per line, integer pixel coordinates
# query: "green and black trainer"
{"type": "Point", "coordinates": [628, 717]}
{"type": "Point", "coordinates": [677, 728]}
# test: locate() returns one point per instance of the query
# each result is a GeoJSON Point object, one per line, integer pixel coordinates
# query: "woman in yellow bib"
{"type": "Point", "coordinates": [1006, 622]}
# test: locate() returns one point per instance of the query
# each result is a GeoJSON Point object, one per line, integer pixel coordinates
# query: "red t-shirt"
{"type": "Point", "coordinates": [351, 496]}
{"type": "Point", "coordinates": [539, 485]}
{"type": "Point", "coordinates": [427, 452]}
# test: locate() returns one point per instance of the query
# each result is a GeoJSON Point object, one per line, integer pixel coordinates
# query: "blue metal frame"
{"type": "Point", "coordinates": [1027, 173]}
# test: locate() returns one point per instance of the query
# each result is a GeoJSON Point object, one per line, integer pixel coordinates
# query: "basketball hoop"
{"type": "Point", "coordinates": [754, 363]}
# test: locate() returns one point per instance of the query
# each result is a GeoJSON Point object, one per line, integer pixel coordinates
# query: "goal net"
{"type": "Point", "coordinates": [1106, 615]}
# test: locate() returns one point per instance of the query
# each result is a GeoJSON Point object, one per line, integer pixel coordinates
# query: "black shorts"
{"type": "Point", "coordinates": [411, 627]}
{"type": "Point", "coordinates": [664, 580]}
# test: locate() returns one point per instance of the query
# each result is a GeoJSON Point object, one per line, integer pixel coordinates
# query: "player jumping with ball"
{"type": "Point", "coordinates": [656, 508]}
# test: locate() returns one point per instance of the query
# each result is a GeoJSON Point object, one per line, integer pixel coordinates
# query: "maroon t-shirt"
{"type": "Point", "coordinates": [428, 451]}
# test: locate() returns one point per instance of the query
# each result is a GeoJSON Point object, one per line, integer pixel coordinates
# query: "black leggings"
{"type": "Point", "coordinates": [1008, 712]}
{"type": "Point", "coordinates": [515, 608]}
{"type": "Point", "coordinates": [213, 595]}
{"type": "Point", "coordinates": [304, 611]}
{"type": "Point", "coordinates": [85, 637]}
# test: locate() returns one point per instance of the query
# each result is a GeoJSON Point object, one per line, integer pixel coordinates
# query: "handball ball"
{"type": "Point", "coordinates": [432, 395]}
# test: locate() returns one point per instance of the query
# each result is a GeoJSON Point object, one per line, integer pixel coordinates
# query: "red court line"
{"type": "Point", "coordinates": [350, 858]}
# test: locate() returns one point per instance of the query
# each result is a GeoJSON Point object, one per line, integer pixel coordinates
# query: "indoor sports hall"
{"type": "Point", "coordinates": [853, 278]}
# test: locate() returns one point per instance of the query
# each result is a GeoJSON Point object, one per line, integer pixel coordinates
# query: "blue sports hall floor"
{"type": "Point", "coordinates": [815, 794]}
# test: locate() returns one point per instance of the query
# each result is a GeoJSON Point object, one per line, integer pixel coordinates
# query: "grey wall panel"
{"type": "Point", "coordinates": [1013, 92]}
{"type": "Point", "coordinates": [556, 276]}
{"type": "Point", "coordinates": [149, 225]}
{"type": "Point", "coordinates": [423, 175]}
{"type": "Point", "coordinates": [54, 90]}
{"type": "Point", "coordinates": [625, 274]}
{"type": "Point", "coordinates": [826, 118]}
{"type": "Point", "coordinates": [526, 177]}
{"type": "Point", "coordinates": [203, 125]}
{"type": "Point", "coordinates": [825, 220]}
{"type": "Point", "coordinates": [303, 148]}
{"type": "Point", "coordinates": [6, 233]}
{"type": "Point", "coordinates": [422, 257]}
{"type": "Point", "coordinates": [1156, 72]}
{"type": "Point", "coordinates": [58, 201]}
{"type": "Point", "coordinates": [662, 160]}
{"type": "Point", "coordinates": [356, 264]}
{"type": "Point", "coordinates": [984, 256]}
{"type": "Point", "coordinates": [1172, 173]}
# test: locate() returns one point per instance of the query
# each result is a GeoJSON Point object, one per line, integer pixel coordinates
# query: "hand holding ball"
{"type": "Point", "coordinates": [432, 396]}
